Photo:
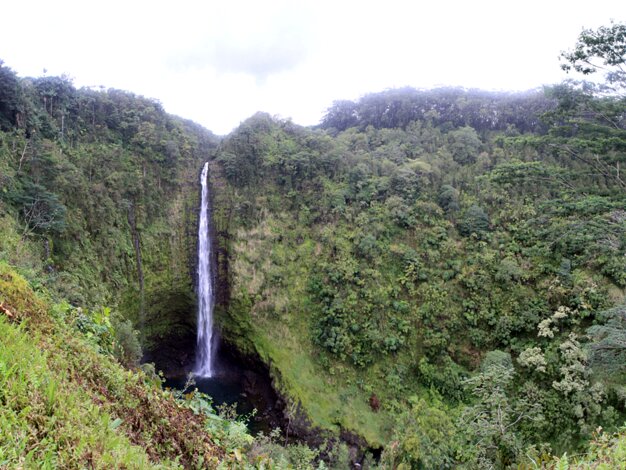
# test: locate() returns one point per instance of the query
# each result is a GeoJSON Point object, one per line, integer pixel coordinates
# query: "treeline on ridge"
{"type": "Point", "coordinates": [453, 107]}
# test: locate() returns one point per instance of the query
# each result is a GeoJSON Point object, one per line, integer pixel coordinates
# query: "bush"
{"type": "Point", "coordinates": [425, 438]}
{"type": "Point", "coordinates": [127, 348]}
{"type": "Point", "coordinates": [475, 220]}
{"type": "Point", "coordinates": [496, 358]}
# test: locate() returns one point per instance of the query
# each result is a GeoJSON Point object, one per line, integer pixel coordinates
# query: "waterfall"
{"type": "Point", "coordinates": [206, 300]}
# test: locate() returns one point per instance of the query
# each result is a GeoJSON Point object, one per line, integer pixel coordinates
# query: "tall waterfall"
{"type": "Point", "coordinates": [206, 299]}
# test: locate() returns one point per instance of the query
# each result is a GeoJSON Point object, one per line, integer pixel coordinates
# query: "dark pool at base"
{"type": "Point", "coordinates": [231, 384]}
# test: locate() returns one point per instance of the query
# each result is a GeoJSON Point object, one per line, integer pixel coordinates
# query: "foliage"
{"type": "Point", "coordinates": [400, 257]}
{"type": "Point", "coordinates": [475, 221]}
{"type": "Point", "coordinates": [127, 348]}
{"type": "Point", "coordinates": [494, 421]}
{"type": "Point", "coordinates": [9, 97]}
{"type": "Point", "coordinates": [607, 451]}
{"type": "Point", "coordinates": [601, 49]}
{"type": "Point", "coordinates": [448, 199]}
{"type": "Point", "coordinates": [66, 405]}
{"type": "Point", "coordinates": [34, 399]}
{"type": "Point", "coordinates": [269, 449]}
{"type": "Point", "coordinates": [464, 145]}
{"type": "Point", "coordinates": [608, 341]}
{"type": "Point", "coordinates": [480, 110]}
{"type": "Point", "coordinates": [451, 245]}
{"type": "Point", "coordinates": [426, 437]}
{"type": "Point", "coordinates": [40, 209]}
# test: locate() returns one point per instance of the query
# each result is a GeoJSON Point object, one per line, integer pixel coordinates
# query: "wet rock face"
{"type": "Point", "coordinates": [174, 356]}
{"type": "Point", "coordinates": [169, 333]}
{"type": "Point", "coordinates": [256, 383]}
{"type": "Point", "coordinates": [269, 406]}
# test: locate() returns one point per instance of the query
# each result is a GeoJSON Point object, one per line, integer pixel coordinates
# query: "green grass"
{"type": "Point", "coordinates": [275, 320]}
{"type": "Point", "coordinates": [47, 423]}
{"type": "Point", "coordinates": [332, 402]}
{"type": "Point", "coordinates": [65, 405]}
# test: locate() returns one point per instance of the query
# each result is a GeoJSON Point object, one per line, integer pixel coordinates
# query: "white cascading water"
{"type": "Point", "coordinates": [204, 347]}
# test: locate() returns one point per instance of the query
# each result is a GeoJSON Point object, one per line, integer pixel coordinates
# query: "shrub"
{"type": "Point", "coordinates": [127, 348]}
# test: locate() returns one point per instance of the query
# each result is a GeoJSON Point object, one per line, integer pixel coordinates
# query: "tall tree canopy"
{"type": "Point", "coordinates": [603, 49]}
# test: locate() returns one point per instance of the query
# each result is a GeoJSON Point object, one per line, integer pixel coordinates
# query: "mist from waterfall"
{"type": "Point", "coordinates": [204, 366]}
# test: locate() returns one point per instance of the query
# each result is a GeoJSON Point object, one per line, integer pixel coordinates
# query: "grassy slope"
{"type": "Point", "coordinates": [280, 331]}
{"type": "Point", "coordinates": [65, 405]}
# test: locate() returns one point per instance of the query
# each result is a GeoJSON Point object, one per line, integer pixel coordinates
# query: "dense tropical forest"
{"type": "Point", "coordinates": [433, 278]}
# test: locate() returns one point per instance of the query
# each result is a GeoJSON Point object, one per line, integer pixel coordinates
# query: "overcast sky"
{"type": "Point", "coordinates": [219, 62]}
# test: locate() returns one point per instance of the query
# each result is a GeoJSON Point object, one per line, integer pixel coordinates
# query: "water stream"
{"type": "Point", "coordinates": [236, 380]}
{"type": "Point", "coordinates": [204, 366]}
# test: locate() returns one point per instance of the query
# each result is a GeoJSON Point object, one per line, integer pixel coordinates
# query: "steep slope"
{"type": "Point", "coordinates": [103, 187]}
{"type": "Point", "coordinates": [65, 405]}
{"type": "Point", "coordinates": [381, 263]}
{"type": "Point", "coordinates": [435, 274]}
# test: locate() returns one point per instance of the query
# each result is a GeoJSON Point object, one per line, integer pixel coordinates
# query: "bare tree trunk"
{"type": "Point", "coordinates": [19, 168]}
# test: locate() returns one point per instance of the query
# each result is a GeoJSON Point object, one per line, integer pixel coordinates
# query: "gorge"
{"type": "Point", "coordinates": [229, 379]}
{"type": "Point", "coordinates": [435, 277]}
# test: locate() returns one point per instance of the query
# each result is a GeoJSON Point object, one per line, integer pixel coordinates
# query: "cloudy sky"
{"type": "Point", "coordinates": [219, 62]}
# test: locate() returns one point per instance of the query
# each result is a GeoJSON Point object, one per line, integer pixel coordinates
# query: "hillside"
{"type": "Point", "coordinates": [99, 193]}
{"type": "Point", "coordinates": [64, 405]}
{"type": "Point", "coordinates": [388, 269]}
{"type": "Point", "coordinates": [434, 279]}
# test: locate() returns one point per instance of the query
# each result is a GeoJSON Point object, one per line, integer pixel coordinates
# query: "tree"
{"type": "Point", "coordinates": [604, 50]}
{"type": "Point", "coordinates": [448, 199]}
{"type": "Point", "coordinates": [589, 122]}
{"type": "Point", "coordinates": [494, 420]}
{"type": "Point", "coordinates": [425, 437]}
{"type": "Point", "coordinates": [608, 341]}
{"type": "Point", "coordinates": [41, 210]}
{"type": "Point", "coordinates": [475, 220]}
{"type": "Point", "coordinates": [9, 97]}
{"type": "Point", "coordinates": [464, 145]}
{"type": "Point", "coordinates": [341, 115]}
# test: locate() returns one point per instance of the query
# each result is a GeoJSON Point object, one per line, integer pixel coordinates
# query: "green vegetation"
{"type": "Point", "coordinates": [413, 253]}
{"type": "Point", "coordinates": [438, 274]}
{"type": "Point", "coordinates": [65, 404]}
